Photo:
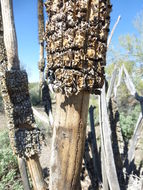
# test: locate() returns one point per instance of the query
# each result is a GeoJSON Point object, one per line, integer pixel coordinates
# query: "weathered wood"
{"type": "Point", "coordinates": [135, 138]}
{"type": "Point", "coordinates": [129, 82]}
{"type": "Point", "coordinates": [23, 173]}
{"type": "Point", "coordinates": [68, 141]}
{"type": "Point", "coordinates": [3, 67]}
{"type": "Point", "coordinates": [41, 30]}
{"type": "Point", "coordinates": [118, 82]}
{"type": "Point", "coordinates": [13, 64]}
{"type": "Point", "coordinates": [132, 89]}
{"type": "Point", "coordinates": [109, 158]}
{"type": "Point", "coordinates": [113, 30]}
{"type": "Point", "coordinates": [10, 39]}
{"type": "Point", "coordinates": [112, 84]}
{"type": "Point", "coordinates": [103, 168]}
{"type": "Point", "coordinates": [41, 117]}
{"type": "Point", "coordinates": [41, 27]}
{"type": "Point", "coordinates": [36, 173]}
{"type": "Point", "coordinates": [95, 155]}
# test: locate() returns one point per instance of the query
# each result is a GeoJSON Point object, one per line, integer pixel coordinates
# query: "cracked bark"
{"type": "Point", "coordinates": [68, 141]}
{"type": "Point", "coordinates": [11, 45]}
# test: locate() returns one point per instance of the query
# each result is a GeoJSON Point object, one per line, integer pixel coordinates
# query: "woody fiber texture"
{"type": "Point", "coordinates": [76, 36]}
{"type": "Point", "coordinates": [3, 59]}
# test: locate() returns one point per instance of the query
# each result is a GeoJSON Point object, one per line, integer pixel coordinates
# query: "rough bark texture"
{"type": "Point", "coordinates": [68, 141]}
{"type": "Point", "coordinates": [15, 92]}
{"type": "Point", "coordinates": [76, 36]}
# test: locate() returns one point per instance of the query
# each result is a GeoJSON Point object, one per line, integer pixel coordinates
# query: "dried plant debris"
{"type": "Point", "coordinates": [19, 113]}
{"type": "Point", "coordinates": [76, 36]}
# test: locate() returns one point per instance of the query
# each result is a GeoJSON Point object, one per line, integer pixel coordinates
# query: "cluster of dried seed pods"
{"type": "Point", "coordinates": [76, 36]}
{"type": "Point", "coordinates": [20, 118]}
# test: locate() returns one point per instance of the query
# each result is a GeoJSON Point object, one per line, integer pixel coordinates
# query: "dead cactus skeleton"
{"type": "Point", "coordinates": [76, 36]}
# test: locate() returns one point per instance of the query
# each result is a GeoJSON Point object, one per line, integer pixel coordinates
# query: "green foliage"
{"type": "Point", "coordinates": [9, 174]}
{"type": "Point", "coordinates": [1, 102]}
{"type": "Point", "coordinates": [128, 121]}
{"type": "Point", "coordinates": [94, 102]}
{"type": "Point", "coordinates": [34, 93]}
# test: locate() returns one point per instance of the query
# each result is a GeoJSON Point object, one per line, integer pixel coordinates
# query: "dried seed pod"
{"type": "Point", "coordinates": [77, 44]}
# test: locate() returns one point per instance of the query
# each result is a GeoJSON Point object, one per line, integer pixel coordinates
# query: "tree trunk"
{"type": "Point", "coordinates": [13, 64]}
{"type": "Point", "coordinates": [68, 141]}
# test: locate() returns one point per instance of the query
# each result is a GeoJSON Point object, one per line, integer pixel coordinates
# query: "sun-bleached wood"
{"type": "Point", "coordinates": [23, 173]}
{"type": "Point", "coordinates": [10, 39]}
{"type": "Point", "coordinates": [36, 173]}
{"type": "Point", "coordinates": [107, 145]}
{"type": "Point", "coordinates": [111, 85]}
{"type": "Point", "coordinates": [135, 138]}
{"type": "Point", "coordinates": [68, 141]}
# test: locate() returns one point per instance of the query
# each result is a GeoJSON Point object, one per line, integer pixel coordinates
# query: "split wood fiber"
{"type": "Point", "coordinates": [76, 43]}
{"type": "Point", "coordinates": [16, 98]}
{"type": "Point", "coordinates": [68, 141]}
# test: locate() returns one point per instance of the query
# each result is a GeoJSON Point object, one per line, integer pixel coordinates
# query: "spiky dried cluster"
{"type": "Point", "coordinates": [76, 36]}
{"type": "Point", "coordinates": [14, 87]}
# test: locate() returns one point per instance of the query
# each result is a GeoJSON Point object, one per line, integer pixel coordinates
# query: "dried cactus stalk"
{"type": "Point", "coordinates": [19, 114]}
{"type": "Point", "coordinates": [40, 20]}
{"type": "Point", "coordinates": [3, 58]}
{"type": "Point", "coordinates": [76, 36]}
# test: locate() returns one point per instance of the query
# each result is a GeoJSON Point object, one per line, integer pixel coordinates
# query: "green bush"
{"type": "Point", "coordinates": [34, 93]}
{"type": "Point", "coordinates": [9, 173]}
{"type": "Point", "coordinates": [128, 121]}
{"type": "Point", "coordinates": [1, 103]}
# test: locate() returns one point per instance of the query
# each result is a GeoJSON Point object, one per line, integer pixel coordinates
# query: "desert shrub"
{"type": "Point", "coordinates": [9, 173]}
{"type": "Point", "coordinates": [34, 93]}
{"type": "Point", "coordinates": [128, 121]}
{"type": "Point", "coordinates": [1, 102]}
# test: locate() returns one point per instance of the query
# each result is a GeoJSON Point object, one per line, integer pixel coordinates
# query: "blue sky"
{"type": "Point", "coordinates": [26, 22]}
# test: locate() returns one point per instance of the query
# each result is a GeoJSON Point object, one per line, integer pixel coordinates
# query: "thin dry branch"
{"type": "Point", "coordinates": [112, 32]}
